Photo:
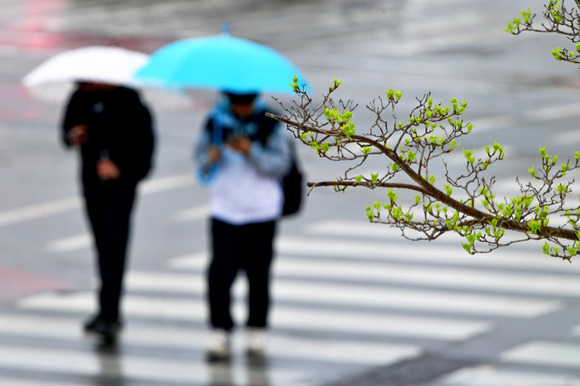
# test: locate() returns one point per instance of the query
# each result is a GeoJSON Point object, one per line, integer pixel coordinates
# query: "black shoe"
{"type": "Point", "coordinates": [89, 325]}
{"type": "Point", "coordinates": [106, 331]}
{"type": "Point", "coordinates": [98, 325]}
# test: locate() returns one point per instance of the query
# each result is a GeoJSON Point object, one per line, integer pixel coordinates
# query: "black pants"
{"type": "Point", "coordinates": [240, 247]}
{"type": "Point", "coordinates": [109, 211]}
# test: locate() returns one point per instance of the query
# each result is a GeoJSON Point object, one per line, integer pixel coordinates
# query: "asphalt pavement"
{"type": "Point", "coordinates": [354, 303]}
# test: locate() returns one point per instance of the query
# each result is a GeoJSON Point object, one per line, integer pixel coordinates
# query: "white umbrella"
{"type": "Point", "coordinates": [54, 79]}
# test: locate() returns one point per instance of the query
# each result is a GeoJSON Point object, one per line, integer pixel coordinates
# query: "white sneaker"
{"type": "Point", "coordinates": [256, 341]}
{"type": "Point", "coordinates": [218, 345]}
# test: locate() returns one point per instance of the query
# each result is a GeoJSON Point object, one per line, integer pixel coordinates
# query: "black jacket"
{"type": "Point", "coordinates": [119, 126]}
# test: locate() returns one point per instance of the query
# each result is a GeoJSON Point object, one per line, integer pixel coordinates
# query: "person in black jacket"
{"type": "Point", "coordinates": [114, 132]}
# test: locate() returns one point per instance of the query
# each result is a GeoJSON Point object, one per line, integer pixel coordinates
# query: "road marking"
{"type": "Point", "coordinates": [85, 240]}
{"type": "Point", "coordinates": [292, 318]}
{"type": "Point", "coordinates": [69, 244]}
{"type": "Point", "coordinates": [394, 273]}
{"type": "Point", "coordinates": [545, 353]}
{"type": "Point", "coordinates": [35, 212]}
{"type": "Point", "coordinates": [157, 185]}
{"type": "Point", "coordinates": [162, 370]}
{"type": "Point", "coordinates": [279, 346]}
{"type": "Point", "coordinates": [566, 138]}
{"type": "Point", "coordinates": [406, 251]}
{"type": "Point", "coordinates": [194, 214]}
{"type": "Point", "coordinates": [553, 112]}
{"type": "Point", "coordinates": [496, 122]}
{"type": "Point", "coordinates": [492, 376]}
{"type": "Point", "coordinates": [350, 295]}
{"type": "Point", "coordinates": [6, 381]}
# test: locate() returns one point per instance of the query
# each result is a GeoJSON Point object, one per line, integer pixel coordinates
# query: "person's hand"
{"type": "Point", "coordinates": [241, 144]}
{"type": "Point", "coordinates": [107, 170]}
{"type": "Point", "coordinates": [78, 135]}
{"type": "Point", "coordinates": [213, 155]}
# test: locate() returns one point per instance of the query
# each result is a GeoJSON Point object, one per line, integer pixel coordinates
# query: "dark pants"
{"type": "Point", "coordinates": [240, 247]}
{"type": "Point", "coordinates": [109, 211]}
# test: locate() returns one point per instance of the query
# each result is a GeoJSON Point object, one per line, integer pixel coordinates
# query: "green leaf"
{"type": "Point", "coordinates": [510, 28]}
{"type": "Point", "coordinates": [448, 189]}
{"type": "Point", "coordinates": [546, 248]}
{"type": "Point", "coordinates": [295, 86]}
{"type": "Point", "coordinates": [366, 150]}
{"type": "Point", "coordinates": [527, 14]}
{"type": "Point", "coordinates": [392, 195]}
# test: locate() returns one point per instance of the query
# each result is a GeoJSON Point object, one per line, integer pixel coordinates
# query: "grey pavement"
{"type": "Point", "coordinates": [354, 304]}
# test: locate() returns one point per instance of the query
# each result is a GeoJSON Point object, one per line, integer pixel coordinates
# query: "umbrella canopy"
{"type": "Point", "coordinates": [55, 79]}
{"type": "Point", "coordinates": [220, 62]}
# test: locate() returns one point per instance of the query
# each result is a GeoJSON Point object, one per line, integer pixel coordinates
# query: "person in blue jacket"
{"type": "Point", "coordinates": [243, 154]}
{"type": "Point", "coordinates": [114, 131]}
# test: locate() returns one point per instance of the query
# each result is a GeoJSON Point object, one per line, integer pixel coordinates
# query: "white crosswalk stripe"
{"type": "Point", "coordinates": [353, 295]}
{"type": "Point", "coordinates": [159, 370]}
{"type": "Point", "coordinates": [550, 353]}
{"type": "Point", "coordinates": [491, 376]}
{"type": "Point", "coordinates": [188, 338]}
{"type": "Point", "coordinates": [341, 295]}
{"type": "Point", "coordinates": [449, 277]}
{"type": "Point", "coordinates": [389, 251]}
{"type": "Point", "coordinates": [283, 317]}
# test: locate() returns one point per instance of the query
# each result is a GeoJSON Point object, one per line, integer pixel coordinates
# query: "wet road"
{"type": "Point", "coordinates": [361, 306]}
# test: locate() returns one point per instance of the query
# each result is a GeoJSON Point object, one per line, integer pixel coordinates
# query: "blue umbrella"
{"type": "Point", "coordinates": [220, 62]}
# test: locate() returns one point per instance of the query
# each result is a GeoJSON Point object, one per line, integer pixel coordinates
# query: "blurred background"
{"type": "Point", "coordinates": [354, 303]}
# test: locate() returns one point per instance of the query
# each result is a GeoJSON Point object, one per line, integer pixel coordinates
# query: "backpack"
{"type": "Point", "coordinates": [292, 184]}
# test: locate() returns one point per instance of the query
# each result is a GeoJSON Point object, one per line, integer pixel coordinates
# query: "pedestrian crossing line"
{"type": "Point", "coordinates": [166, 183]}
{"type": "Point", "coordinates": [545, 353]}
{"type": "Point", "coordinates": [384, 272]}
{"type": "Point", "coordinates": [372, 250]}
{"type": "Point", "coordinates": [46, 209]}
{"type": "Point", "coordinates": [356, 295]}
{"type": "Point", "coordinates": [293, 318]}
{"type": "Point", "coordinates": [393, 247]}
{"type": "Point", "coordinates": [34, 212]}
{"type": "Point", "coordinates": [84, 240]}
{"type": "Point", "coordinates": [411, 252]}
{"type": "Point", "coordinates": [6, 381]}
{"type": "Point", "coordinates": [279, 346]}
{"type": "Point", "coordinates": [193, 214]}
{"type": "Point", "coordinates": [492, 376]}
{"type": "Point", "coordinates": [127, 367]}
{"type": "Point", "coordinates": [566, 137]}
{"type": "Point", "coordinates": [406, 48]}
{"type": "Point", "coordinates": [69, 244]}
{"type": "Point", "coordinates": [552, 113]}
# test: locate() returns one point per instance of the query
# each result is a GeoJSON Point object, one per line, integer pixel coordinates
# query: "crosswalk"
{"type": "Point", "coordinates": [347, 297]}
